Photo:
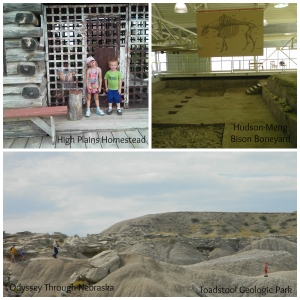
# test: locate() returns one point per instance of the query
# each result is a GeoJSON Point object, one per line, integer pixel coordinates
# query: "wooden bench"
{"type": "Point", "coordinates": [256, 65]}
{"type": "Point", "coordinates": [35, 114]}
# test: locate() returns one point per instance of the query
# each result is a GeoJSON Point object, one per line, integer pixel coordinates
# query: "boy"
{"type": "Point", "coordinates": [113, 85]}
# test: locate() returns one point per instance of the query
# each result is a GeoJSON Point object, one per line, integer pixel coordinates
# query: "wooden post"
{"type": "Point", "coordinates": [75, 105]}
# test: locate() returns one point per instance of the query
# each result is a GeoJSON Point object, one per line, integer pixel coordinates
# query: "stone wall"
{"type": "Point", "coordinates": [212, 83]}
{"type": "Point", "coordinates": [159, 86]}
{"type": "Point", "coordinates": [280, 96]}
{"type": "Point", "coordinates": [284, 86]}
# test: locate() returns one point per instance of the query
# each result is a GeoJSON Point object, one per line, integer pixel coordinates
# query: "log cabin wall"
{"type": "Point", "coordinates": [24, 82]}
{"type": "Point", "coordinates": [40, 39]}
{"type": "Point", "coordinates": [24, 68]}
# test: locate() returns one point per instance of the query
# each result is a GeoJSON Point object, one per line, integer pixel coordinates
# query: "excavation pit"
{"type": "Point", "coordinates": [211, 93]}
{"type": "Point", "coordinates": [187, 135]}
{"type": "Point", "coordinates": [251, 121]}
{"type": "Point", "coordinates": [172, 112]}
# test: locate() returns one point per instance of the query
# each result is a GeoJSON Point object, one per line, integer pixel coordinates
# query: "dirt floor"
{"type": "Point", "coordinates": [246, 119]}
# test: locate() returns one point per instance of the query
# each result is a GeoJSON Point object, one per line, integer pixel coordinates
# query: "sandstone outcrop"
{"type": "Point", "coordinates": [163, 255]}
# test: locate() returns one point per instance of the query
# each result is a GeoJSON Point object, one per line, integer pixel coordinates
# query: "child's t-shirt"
{"type": "Point", "coordinates": [113, 79]}
{"type": "Point", "coordinates": [93, 78]}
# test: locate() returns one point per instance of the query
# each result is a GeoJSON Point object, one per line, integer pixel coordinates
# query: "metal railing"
{"type": "Point", "coordinates": [230, 66]}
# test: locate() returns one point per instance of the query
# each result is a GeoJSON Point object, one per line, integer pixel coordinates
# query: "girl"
{"type": "Point", "coordinates": [93, 85]}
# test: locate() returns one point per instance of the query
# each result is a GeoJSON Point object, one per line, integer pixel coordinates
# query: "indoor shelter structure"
{"type": "Point", "coordinates": [216, 64]}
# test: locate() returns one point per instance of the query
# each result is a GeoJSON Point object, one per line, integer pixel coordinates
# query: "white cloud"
{"type": "Point", "coordinates": [85, 192]}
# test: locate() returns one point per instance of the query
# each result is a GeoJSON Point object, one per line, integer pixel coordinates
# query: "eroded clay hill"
{"type": "Point", "coordinates": [171, 254]}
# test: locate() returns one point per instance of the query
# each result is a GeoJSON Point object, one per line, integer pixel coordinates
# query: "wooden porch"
{"type": "Point", "coordinates": [108, 132]}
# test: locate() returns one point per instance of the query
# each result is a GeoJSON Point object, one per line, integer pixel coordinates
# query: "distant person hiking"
{"type": "Point", "coordinates": [13, 252]}
{"type": "Point", "coordinates": [266, 269]}
{"type": "Point", "coordinates": [22, 255]}
{"type": "Point", "coordinates": [55, 249]}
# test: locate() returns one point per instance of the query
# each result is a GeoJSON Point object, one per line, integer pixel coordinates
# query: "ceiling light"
{"type": "Point", "coordinates": [265, 22]}
{"type": "Point", "coordinates": [281, 5]}
{"type": "Point", "coordinates": [180, 8]}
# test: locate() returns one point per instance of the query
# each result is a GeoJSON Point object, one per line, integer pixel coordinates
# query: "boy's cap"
{"type": "Point", "coordinates": [89, 59]}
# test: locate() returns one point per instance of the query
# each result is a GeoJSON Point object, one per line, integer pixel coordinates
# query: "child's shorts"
{"type": "Point", "coordinates": [93, 91]}
{"type": "Point", "coordinates": [113, 96]}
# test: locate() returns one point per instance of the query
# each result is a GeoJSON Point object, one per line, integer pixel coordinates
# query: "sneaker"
{"type": "Point", "coordinates": [100, 112]}
{"type": "Point", "coordinates": [119, 111]}
{"type": "Point", "coordinates": [88, 113]}
{"type": "Point", "coordinates": [109, 111]}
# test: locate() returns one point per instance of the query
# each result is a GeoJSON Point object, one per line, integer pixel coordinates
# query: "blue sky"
{"type": "Point", "coordinates": [86, 192]}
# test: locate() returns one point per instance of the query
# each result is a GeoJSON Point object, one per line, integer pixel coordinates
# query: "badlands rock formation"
{"type": "Point", "coordinates": [172, 254]}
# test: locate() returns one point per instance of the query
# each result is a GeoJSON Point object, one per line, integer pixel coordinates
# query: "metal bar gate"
{"type": "Point", "coordinates": [75, 32]}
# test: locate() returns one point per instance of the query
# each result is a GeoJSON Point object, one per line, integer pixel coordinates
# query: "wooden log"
{"type": "Point", "coordinates": [12, 31]}
{"type": "Point", "coordinates": [21, 18]}
{"type": "Point", "coordinates": [12, 43]}
{"type": "Point", "coordinates": [19, 89]}
{"type": "Point", "coordinates": [22, 55]}
{"type": "Point", "coordinates": [9, 17]}
{"type": "Point", "coordinates": [20, 102]}
{"type": "Point", "coordinates": [34, 7]}
{"type": "Point", "coordinates": [26, 43]}
{"type": "Point", "coordinates": [27, 68]}
{"type": "Point", "coordinates": [25, 17]}
{"type": "Point", "coordinates": [29, 44]}
{"type": "Point", "coordinates": [16, 101]}
{"type": "Point", "coordinates": [12, 68]}
{"type": "Point", "coordinates": [38, 78]}
{"type": "Point", "coordinates": [30, 92]}
{"type": "Point", "coordinates": [41, 65]}
{"type": "Point", "coordinates": [75, 106]}
{"type": "Point", "coordinates": [44, 27]}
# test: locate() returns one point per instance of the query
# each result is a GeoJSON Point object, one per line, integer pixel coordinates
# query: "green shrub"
{"type": "Point", "coordinates": [267, 225]}
{"type": "Point", "coordinates": [291, 219]}
{"type": "Point", "coordinates": [257, 230]}
{"type": "Point", "coordinates": [78, 283]}
{"type": "Point", "coordinates": [273, 230]}
{"type": "Point", "coordinates": [172, 241]}
{"type": "Point", "coordinates": [195, 220]}
{"type": "Point", "coordinates": [245, 224]}
{"type": "Point", "coordinates": [263, 218]}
